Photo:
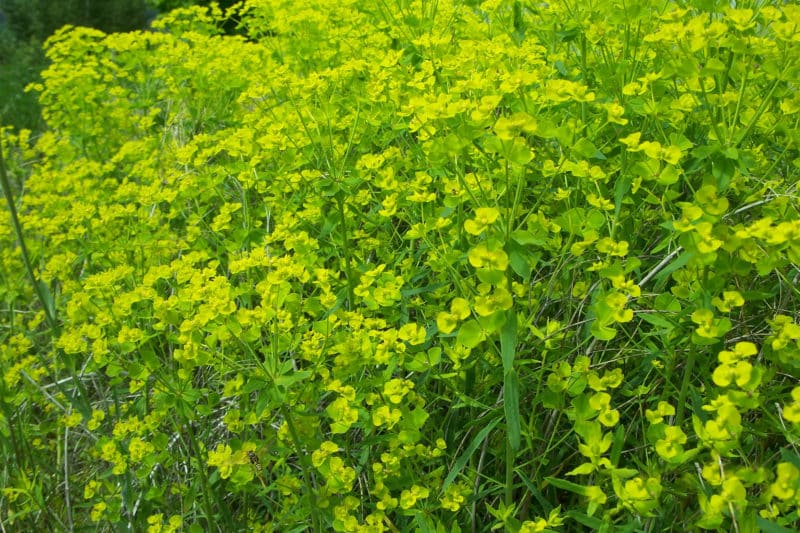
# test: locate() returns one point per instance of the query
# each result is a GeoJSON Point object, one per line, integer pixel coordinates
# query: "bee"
{"type": "Point", "coordinates": [257, 466]}
{"type": "Point", "coordinates": [254, 460]}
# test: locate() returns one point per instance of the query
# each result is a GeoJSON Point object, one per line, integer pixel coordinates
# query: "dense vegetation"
{"type": "Point", "coordinates": [25, 24]}
{"type": "Point", "coordinates": [382, 266]}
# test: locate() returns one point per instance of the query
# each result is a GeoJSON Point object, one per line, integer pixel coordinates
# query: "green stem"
{"type": "Point", "coordinates": [304, 466]}
{"type": "Point", "coordinates": [511, 457]}
{"type": "Point", "coordinates": [760, 111]}
{"type": "Point", "coordinates": [207, 497]}
{"type": "Point", "coordinates": [711, 117]}
{"type": "Point", "coordinates": [346, 247]}
{"type": "Point", "coordinates": [687, 378]}
{"type": "Point", "coordinates": [44, 298]}
{"type": "Point", "coordinates": [38, 287]}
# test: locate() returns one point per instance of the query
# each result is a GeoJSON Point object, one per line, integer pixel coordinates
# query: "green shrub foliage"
{"type": "Point", "coordinates": [409, 265]}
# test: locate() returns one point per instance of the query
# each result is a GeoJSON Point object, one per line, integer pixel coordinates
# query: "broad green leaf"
{"type": "Point", "coordinates": [470, 333]}
{"type": "Point", "coordinates": [521, 261]}
{"type": "Point", "coordinates": [521, 265]}
{"type": "Point", "coordinates": [667, 302]}
{"type": "Point", "coordinates": [526, 237]}
{"type": "Point", "coordinates": [572, 220]}
{"type": "Point", "coordinates": [771, 527]}
{"type": "Point", "coordinates": [517, 151]}
{"type": "Point", "coordinates": [586, 148]}
{"type": "Point", "coordinates": [601, 332]}
{"type": "Point", "coordinates": [680, 141]}
{"type": "Point", "coordinates": [594, 219]}
{"type": "Point", "coordinates": [668, 175]}
{"type": "Point", "coordinates": [424, 523]}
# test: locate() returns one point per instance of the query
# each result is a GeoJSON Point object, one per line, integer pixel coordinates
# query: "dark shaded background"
{"type": "Point", "coordinates": [26, 24]}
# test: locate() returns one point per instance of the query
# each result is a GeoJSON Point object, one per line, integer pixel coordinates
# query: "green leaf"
{"type": "Point", "coordinates": [588, 521]}
{"type": "Point", "coordinates": [511, 408]}
{"type": "Point", "coordinates": [287, 380]}
{"type": "Point", "coordinates": [241, 476]}
{"type": "Point", "coordinates": [544, 503]}
{"type": "Point", "coordinates": [517, 151]}
{"type": "Point", "coordinates": [492, 277]}
{"type": "Point", "coordinates": [508, 340]}
{"type": "Point", "coordinates": [723, 169]}
{"type": "Point", "coordinates": [417, 417]}
{"type": "Point", "coordinates": [47, 299]}
{"type": "Point", "coordinates": [566, 485]}
{"type": "Point", "coordinates": [423, 523]}
{"type": "Point", "coordinates": [594, 219]}
{"type": "Point", "coordinates": [521, 261]}
{"type": "Point", "coordinates": [619, 441]}
{"type": "Point", "coordinates": [470, 334]}
{"type": "Point", "coordinates": [624, 473]}
{"type": "Point", "coordinates": [771, 527]}
{"type": "Point", "coordinates": [790, 457]}
{"type": "Point", "coordinates": [666, 302]}
{"type": "Point", "coordinates": [254, 384]}
{"type": "Point", "coordinates": [572, 220]}
{"type": "Point", "coordinates": [585, 468]}
{"type": "Point", "coordinates": [622, 187]}
{"type": "Point", "coordinates": [674, 265]}
{"type": "Point", "coordinates": [657, 320]}
{"type": "Point", "coordinates": [492, 144]}
{"type": "Point", "coordinates": [526, 237]}
{"type": "Point", "coordinates": [601, 332]}
{"type": "Point", "coordinates": [669, 175]}
{"type": "Point", "coordinates": [680, 141]}
{"type": "Point", "coordinates": [464, 457]}
{"type": "Point", "coordinates": [585, 148]}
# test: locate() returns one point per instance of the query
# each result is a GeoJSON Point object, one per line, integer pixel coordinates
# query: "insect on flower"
{"type": "Point", "coordinates": [259, 470]}
{"type": "Point", "coordinates": [254, 460]}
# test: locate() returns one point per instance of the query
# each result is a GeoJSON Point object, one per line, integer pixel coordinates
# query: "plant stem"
{"type": "Point", "coordinates": [207, 497]}
{"type": "Point", "coordinates": [315, 524]}
{"type": "Point", "coordinates": [44, 299]}
{"type": "Point", "coordinates": [510, 460]}
{"type": "Point", "coordinates": [687, 377]}
{"type": "Point", "coordinates": [346, 245]}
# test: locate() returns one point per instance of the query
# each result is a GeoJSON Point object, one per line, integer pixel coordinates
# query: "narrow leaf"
{"type": "Point", "coordinates": [588, 521]}
{"type": "Point", "coordinates": [464, 457]}
{"type": "Point", "coordinates": [566, 485]}
{"type": "Point", "coordinates": [676, 263]}
{"type": "Point", "coordinates": [511, 408]}
{"type": "Point", "coordinates": [619, 441]}
{"type": "Point", "coordinates": [508, 341]}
